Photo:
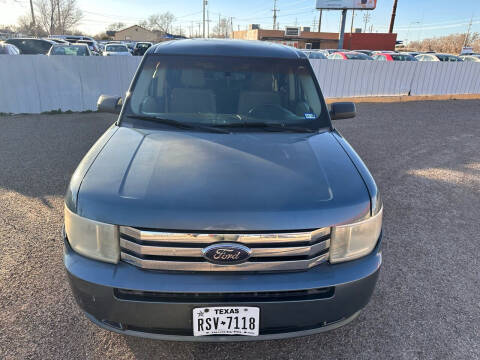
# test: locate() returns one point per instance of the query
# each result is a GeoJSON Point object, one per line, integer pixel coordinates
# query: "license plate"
{"type": "Point", "coordinates": [226, 320]}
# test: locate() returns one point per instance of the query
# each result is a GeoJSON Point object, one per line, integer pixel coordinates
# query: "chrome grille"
{"type": "Point", "coordinates": [183, 251]}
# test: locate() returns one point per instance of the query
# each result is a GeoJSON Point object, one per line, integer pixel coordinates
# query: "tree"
{"type": "Point", "coordinates": [222, 29]}
{"type": "Point", "coordinates": [52, 16]}
{"type": "Point", "coordinates": [116, 26]}
{"type": "Point", "coordinates": [68, 15]}
{"type": "Point", "coordinates": [160, 22]}
{"type": "Point", "coordinates": [448, 44]}
{"type": "Point", "coordinates": [25, 25]}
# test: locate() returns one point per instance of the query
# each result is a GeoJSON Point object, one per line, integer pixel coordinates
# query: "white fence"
{"type": "Point", "coordinates": [38, 83]}
{"type": "Point", "coordinates": [34, 84]}
{"type": "Point", "coordinates": [378, 78]}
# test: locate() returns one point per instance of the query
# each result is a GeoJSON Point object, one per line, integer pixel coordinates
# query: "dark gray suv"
{"type": "Point", "coordinates": [222, 205]}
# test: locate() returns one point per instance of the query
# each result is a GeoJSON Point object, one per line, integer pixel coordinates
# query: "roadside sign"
{"type": "Point", "coordinates": [347, 4]}
{"type": "Point", "coordinates": [467, 50]}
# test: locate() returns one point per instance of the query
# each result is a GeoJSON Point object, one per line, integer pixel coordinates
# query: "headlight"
{"type": "Point", "coordinates": [92, 239]}
{"type": "Point", "coordinates": [353, 241]}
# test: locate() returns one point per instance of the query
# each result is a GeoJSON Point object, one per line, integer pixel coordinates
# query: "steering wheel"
{"type": "Point", "coordinates": [267, 111]}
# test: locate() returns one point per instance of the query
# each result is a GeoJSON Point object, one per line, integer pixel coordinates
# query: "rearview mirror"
{"type": "Point", "coordinates": [342, 110]}
{"type": "Point", "coordinates": [109, 104]}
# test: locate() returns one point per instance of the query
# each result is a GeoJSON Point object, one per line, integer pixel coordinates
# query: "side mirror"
{"type": "Point", "coordinates": [109, 104]}
{"type": "Point", "coordinates": [342, 110]}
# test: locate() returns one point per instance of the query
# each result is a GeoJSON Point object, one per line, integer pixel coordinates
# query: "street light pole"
{"type": "Point", "coordinates": [205, 2]}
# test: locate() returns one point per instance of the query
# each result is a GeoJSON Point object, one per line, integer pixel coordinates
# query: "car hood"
{"type": "Point", "coordinates": [185, 180]}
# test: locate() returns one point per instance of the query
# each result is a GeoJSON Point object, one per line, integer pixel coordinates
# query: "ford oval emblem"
{"type": "Point", "coordinates": [226, 253]}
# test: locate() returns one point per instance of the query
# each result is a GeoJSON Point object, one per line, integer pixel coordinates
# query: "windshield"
{"type": "Point", "coordinates": [228, 91]}
{"type": "Point", "coordinates": [70, 50]}
{"type": "Point", "coordinates": [402, 57]}
{"type": "Point", "coordinates": [357, 56]}
{"type": "Point", "coordinates": [442, 57]}
{"type": "Point", "coordinates": [116, 48]}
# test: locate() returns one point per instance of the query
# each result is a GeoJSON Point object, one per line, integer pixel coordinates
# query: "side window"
{"type": "Point", "coordinates": [27, 46]}
{"type": "Point", "coordinates": [382, 58]}
{"type": "Point", "coordinates": [44, 46]}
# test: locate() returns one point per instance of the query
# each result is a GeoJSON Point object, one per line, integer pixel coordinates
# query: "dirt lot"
{"type": "Point", "coordinates": [425, 157]}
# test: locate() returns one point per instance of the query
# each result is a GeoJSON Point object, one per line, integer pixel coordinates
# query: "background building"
{"type": "Point", "coordinates": [136, 33]}
{"type": "Point", "coordinates": [304, 38]}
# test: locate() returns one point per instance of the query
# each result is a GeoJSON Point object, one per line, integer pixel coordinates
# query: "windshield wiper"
{"type": "Point", "coordinates": [178, 124]}
{"type": "Point", "coordinates": [270, 126]}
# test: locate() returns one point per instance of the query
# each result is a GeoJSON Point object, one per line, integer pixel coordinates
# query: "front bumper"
{"type": "Point", "coordinates": [158, 305]}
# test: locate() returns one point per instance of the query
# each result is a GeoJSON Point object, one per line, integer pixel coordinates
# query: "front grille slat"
{"type": "Point", "coordinates": [290, 251]}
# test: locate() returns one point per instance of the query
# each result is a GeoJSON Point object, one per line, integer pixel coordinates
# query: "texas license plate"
{"type": "Point", "coordinates": [226, 320]}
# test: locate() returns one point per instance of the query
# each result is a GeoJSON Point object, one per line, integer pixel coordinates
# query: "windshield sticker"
{"type": "Point", "coordinates": [310, 116]}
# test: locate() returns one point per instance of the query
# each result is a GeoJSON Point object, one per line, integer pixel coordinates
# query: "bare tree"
{"type": "Point", "coordinates": [161, 22]}
{"type": "Point", "coordinates": [116, 26]}
{"type": "Point", "coordinates": [222, 29]}
{"type": "Point", "coordinates": [58, 15]}
{"type": "Point", "coordinates": [69, 15]}
{"type": "Point", "coordinates": [448, 44]}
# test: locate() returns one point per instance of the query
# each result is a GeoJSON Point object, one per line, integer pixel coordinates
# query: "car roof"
{"type": "Point", "coordinates": [27, 38]}
{"type": "Point", "coordinates": [69, 45]}
{"type": "Point", "coordinates": [237, 48]}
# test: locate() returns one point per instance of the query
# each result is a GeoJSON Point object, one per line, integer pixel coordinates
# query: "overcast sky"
{"type": "Point", "coordinates": [415, 18]}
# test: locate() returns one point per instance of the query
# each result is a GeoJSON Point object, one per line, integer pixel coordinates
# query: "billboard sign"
{"type": "Point", "coordinates": [347, 4]}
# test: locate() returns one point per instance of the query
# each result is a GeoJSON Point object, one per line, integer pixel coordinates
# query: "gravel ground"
{"type": "Point", "coordinates": [425, 157]}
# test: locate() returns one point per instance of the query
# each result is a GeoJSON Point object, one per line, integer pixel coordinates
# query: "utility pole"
{"type": "Point", "coordinates": [394, 13]}
{"type": "Point", "coordinates": [467, 34]}
{"type": "Point", "coordinates": [342, 29]}
{"type": "Point", "coordinates": [275, 10]}
{"type": "Point", "coordinates": [208, 23]}
{"type": "Point", "coordinates": [366, 19]}
{"type": "Point", "coordinates": [219, 27]}
{"type": "Point", "coordinates": [33, 18]}
{"type": "Point", "coordinates": [205, 2]}
{"type": "Point", "coordinates": [353, 17]}
{"type": "Point", "coordinates": [59, 19]}
{"type": "Point", "coordinates": [320, 20]}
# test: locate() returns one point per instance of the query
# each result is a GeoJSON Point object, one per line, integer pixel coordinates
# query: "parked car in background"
{"type": "Point", "coordinates": [470, 58]}
{"type": "Point", "coordinates": [411, 53]}
{"type": "Point", "coordinates": [92, 45]}
{"type": "Point", "coordinates": [331, 51]}
{"type": "Point", "coordinates": [116, 50]}
{"type": "Point", "coordinates": [383, 52]}
{"type": "Point", "coordinates": [393, 57]}
{"type": "Point", "coordinates": [312, 54]}
{"type": "Point", "coordinates": [349, 55]}
{"type": "Point", "coordinates": [72, 50]}
{"type": "Point", "coordinates": [59, 41]}
{"type": "Point", "coordinates": [140, 48]}
{"type": "Point", "coordinates": [8, 49]}
{"type": "Point", "coordinates": [366, 52]}
{"type": "Point", "coordinates": [438, 57]}
{"type": "Point", "coordinates": [31, 46]}
{"type": "Point", "coordinates": [71, 38]}
{"type": "Point", "coordinates": [131, 45]}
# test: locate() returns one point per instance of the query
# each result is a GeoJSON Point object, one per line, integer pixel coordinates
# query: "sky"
{"type": "Point", "coordinates": [415, 19]}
